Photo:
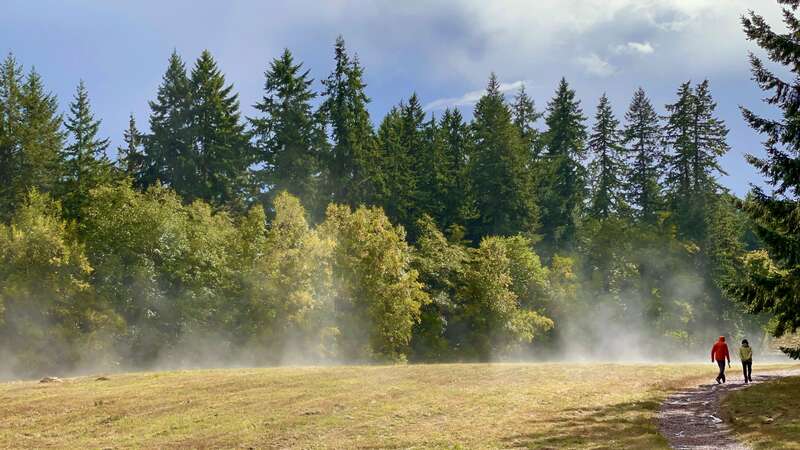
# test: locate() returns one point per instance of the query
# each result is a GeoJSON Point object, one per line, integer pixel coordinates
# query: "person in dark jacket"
{"type": "Point", "coordinates": [746, 355]}
{"type": "Point", "coordinates": [719, 353]}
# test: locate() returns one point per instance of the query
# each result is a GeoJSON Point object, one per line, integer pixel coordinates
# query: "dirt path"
{"type": "Point", "coordinates": [691, 419]}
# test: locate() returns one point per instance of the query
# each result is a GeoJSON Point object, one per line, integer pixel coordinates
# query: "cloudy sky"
{"type": "Point", "coordinates": [443, 50]}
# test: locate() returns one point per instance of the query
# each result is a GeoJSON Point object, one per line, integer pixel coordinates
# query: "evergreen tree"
{"type": "Point", "coordinates": [457, 191]}
{"type": "Point", "coordinates": [10, 122]}
{"type": "Point", "coordinates": [696, 139]}
{"type": "Point", "coordinates": [525, 115]}
{"type": "Point", "coordinates": [563, 180]}
{"type": "Point", "coordinates": [607, 166]}
{"type": "Point", "coordinates": [31, 139]}
{"type": "Point", "coordinates": [219, 146]}
{"type": "Point", "coordinates": [86, 163]}
{"type": "Point", "coordinates": [433, 183]}
{"type": "Point", "coordinates": [350, 165]}
{"type": "Point", "coordinates": [288, 138]}
{"type": "Point", "coordinates": [504, 192]}
{"type": "Point", "coordinates": [642, 138]}
{"type": "Point", "coordinates": [167, 150]}
{"type": "Point", "coordinates": [770, 283]}
{"type": "Point", "coordinates": [130, 156]}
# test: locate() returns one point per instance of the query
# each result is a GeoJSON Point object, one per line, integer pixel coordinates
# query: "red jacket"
{"type": "Point", "coordinates": [719, 352]}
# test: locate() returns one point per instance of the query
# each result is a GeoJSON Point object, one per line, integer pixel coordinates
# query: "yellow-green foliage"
{"type": "Point", "coordinates": [377, 296]}
{"type": "Point", "coordinates": [50, 311]}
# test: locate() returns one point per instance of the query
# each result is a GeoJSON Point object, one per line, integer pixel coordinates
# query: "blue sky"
{"type": "Point", "coordinates": [443, 50]}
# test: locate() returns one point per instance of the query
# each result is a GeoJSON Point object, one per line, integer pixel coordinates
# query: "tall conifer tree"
{"type": "Point", "coordinates": [10, 119]}
{"type": "Point", "coordinates": [86, 163]}
{"type": "Point", "coordinates": [504, 193]}
{"type": "Point", "coordinates": [130, 156]}
{"type": "Point", "coordinates": [219, 145]}
{"type": "Point", "coordinates": [563, 181]}
{"type": "Point", "coordinates": [525, 117]}
{"type": "Point", "coordinates": [696, 139]}
{"type": "Point", "coordinates": [167, 156]}
{"type": "Point", "coordinates": [607, 166]}
{"type": "Point", "coordinates": [289, 140]}
{"type": "Point", "coordinates": [642, 137]}
{"type": "Point", "coordinates": [351, 168]}
{"type": "Point", "coordinates": [771, 282]}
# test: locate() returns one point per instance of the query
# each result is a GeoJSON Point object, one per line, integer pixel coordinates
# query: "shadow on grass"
{"type": "Point", "coordinates": [629, 425]}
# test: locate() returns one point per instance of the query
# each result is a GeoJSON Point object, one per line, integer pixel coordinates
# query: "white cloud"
{"type": "Point", "coordinates": [471, 97]}
{"type": "Point", "coordinates": [641, 48]}
{"type": "Point", "coordinates": [596, 65]}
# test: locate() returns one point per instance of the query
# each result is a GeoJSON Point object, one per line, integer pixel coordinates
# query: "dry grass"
{"type": "Point", "coordinates": [418, 406]}
{"type": "Point", "coordinates": [767, 415]}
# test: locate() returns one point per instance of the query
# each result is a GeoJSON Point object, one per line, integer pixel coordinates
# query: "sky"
{"type": "Point", "coordinates": [442, 50]}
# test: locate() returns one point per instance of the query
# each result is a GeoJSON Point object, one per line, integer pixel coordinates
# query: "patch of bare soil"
{"type": "Point", "coordinates": [692, 419]}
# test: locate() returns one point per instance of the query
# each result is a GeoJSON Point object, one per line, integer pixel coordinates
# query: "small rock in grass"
{"type": "Point", "coordinates": [51, 380]}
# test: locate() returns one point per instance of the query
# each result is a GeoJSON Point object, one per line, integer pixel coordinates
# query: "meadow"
{"type": "Point", "coordinates": [546, 405]}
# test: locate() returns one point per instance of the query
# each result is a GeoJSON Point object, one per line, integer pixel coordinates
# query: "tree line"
{"type": "Point", "coordinates": [307, 230]}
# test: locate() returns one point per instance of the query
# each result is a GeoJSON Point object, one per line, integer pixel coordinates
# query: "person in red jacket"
{"type": "Point", "coordinates": [719, 353]}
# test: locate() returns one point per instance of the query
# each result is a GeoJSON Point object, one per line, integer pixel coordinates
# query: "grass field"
{"type": "Point", "coordinates": [767, 415]}
{"type": "Point", "coordinates": [418, 406]}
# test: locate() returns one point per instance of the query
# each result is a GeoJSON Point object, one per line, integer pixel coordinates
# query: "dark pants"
{"type": "Point", "coordinates": [721, 376]}
{"type": "Point", "coordinates": [747, 369]}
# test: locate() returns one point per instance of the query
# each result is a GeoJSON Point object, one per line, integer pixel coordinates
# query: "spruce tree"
{"type": "Point", "coordinates": [289, 140]}
{"type": "Point", "coordinates": [503, 187]}
{"type": "Point", "coordinates": [350, 165]}
{"type": "Point", "coordinates": [86, 164]}
{"type": "Point", "coordinates": [219, 145]}
{"type": "Point", "coordinates": [606, 166]}
{"type": "Point", "coordinates": [130, 156]}
{"type": "Point", "coordinates": [642, 139]}
{"type": "Point", "coordinates": [563, 178]}
{"type": "Point", "coordinates": [167, 149]}
{"type": "Point", "coordinates": [771, 282]}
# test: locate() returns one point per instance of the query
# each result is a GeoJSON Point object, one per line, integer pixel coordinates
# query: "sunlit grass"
{"type": "Point", "coordinates": [422, 406]}
{"type": "Point", "coordinates": [767, 415]}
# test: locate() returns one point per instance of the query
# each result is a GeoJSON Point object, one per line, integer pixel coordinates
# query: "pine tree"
{"type": "Point", "coordinates": [606, 166]}
{"type": "Point", "coordinates": [504, 192]}
{"type": "Point", "coordinates": [289, 139]}
{"type": "Point", "coordinates": [130, 156]}
{"type": "Point", "coordinates": [86, 163]}
{"type": "Point", "coordinates": [219, 146]}
{"type": "Point", "coordinates": [167, 149]}
{"type": "Point", "coordinates": [351, 162]}
{"type": "Point", "coordinates": [563, 178]}
{"type": "Point", "coordinates": [642, 138]}
{"type": "Point", "coordinates": [525, 115]}
{"type": "Point", "coordinates": [770, 283]}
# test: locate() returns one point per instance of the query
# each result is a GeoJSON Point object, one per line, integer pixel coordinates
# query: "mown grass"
{"type": "Point", "coordinates": [766, 416]}
{"type": "Point", "coordinates": [413, 406]}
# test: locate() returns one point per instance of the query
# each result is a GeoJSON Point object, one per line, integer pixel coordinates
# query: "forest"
{"type": "Point", "coordinates": [313, 233]}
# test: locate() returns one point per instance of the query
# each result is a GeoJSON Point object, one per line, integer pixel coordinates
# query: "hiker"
{"type": "Point", "coordinates": [719, 352]}
{"type": "Point", "coordinates": [746, 355]}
